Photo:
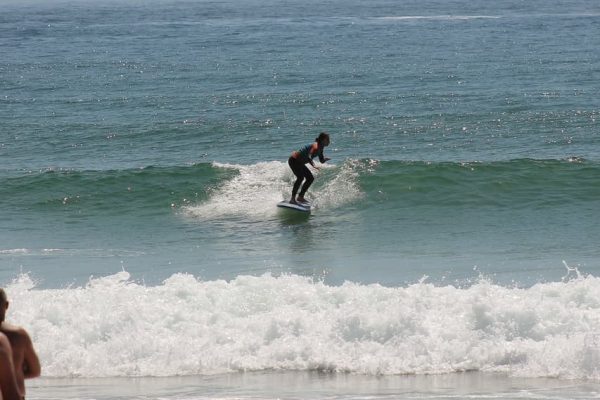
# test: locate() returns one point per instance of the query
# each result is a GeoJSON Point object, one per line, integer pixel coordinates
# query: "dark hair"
{"type": "Point", "coordinates": [322, 137]}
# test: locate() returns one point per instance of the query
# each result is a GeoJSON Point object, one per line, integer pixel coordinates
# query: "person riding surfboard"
{"type": "Point", "coordinates": [298, 161]}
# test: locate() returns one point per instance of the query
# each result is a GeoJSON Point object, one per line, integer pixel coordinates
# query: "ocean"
{"type": "Point", "coordinates": [452, 251]}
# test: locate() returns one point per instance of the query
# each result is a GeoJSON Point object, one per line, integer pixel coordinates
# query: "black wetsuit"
{"type": "Point", "coordinates": [299, 168]}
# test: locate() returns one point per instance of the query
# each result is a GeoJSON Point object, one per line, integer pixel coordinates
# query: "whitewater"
{"type": "Point", "coordinates": [187, 326]}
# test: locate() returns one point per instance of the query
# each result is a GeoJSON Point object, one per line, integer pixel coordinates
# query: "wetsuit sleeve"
{"type": "Point", "coordinates": [321, 156]}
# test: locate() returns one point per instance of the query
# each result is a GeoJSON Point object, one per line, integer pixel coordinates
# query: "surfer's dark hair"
{"type": "Point", "coordinates": [322, 136]}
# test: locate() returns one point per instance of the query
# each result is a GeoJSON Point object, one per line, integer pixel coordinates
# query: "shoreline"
{"type": "Point", "coordinates": [312, 384]}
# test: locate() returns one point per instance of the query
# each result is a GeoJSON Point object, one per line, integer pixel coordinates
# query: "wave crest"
{"type": "Point", "coordinates": [185, 326]}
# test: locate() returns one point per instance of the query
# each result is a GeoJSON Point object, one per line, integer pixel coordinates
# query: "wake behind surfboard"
{"type": "Point", "coordinates": [302, 207]}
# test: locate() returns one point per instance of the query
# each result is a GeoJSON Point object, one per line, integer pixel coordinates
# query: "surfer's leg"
{"type": "Point", "coordinates": [309, 180]}
{"type": "Point", "coordinates": [297, 170]}
{"type": "Point", "coordinates": [295, 189]}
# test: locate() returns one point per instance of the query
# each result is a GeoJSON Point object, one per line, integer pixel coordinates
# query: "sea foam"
{"type": "Point", "coordinates": [257, 188]}
{"type": "Point", "coordinates": [114, 326]}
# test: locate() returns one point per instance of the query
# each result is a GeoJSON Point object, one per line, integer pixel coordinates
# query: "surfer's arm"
{"type": "Point", "coordinates": [317, 151]}
{"type": "Point", "coordinates": [314, 151]}
{"type": "Point", "coordinates": [322, 158]}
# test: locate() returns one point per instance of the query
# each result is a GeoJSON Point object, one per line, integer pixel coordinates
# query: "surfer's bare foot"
{"type": "Point", "coordinates": [293, 201]}
{"type": "Point", "coordinates": [302, 199]}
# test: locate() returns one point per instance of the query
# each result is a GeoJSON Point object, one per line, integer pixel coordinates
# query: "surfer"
{"type": "Point", "coordinates": [297, 163]}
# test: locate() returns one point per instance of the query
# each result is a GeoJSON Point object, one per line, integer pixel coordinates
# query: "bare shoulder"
{"type": "Point", "coordinates": [14, 332]}
{"type": "Point", "coordinates": [10, 328]}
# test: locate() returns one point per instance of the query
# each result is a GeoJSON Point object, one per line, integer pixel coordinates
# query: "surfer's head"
{"type": "Point", "coordinates": [323, 139]}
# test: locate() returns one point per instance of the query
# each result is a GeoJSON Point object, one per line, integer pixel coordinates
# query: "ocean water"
{"type": "Point", "coordinates": [452, 251]}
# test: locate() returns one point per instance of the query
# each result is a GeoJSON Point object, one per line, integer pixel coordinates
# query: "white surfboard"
{"type": "Point", "coordinates": [303, 207]}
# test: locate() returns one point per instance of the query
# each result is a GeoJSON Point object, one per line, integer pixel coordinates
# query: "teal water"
{"type": "Point", "coordinates": [514, 220]}
{"type": "Point", "coordinates": [143, 148]}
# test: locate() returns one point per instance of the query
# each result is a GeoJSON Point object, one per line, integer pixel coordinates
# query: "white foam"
{"type": "Point", "coordinates": [257, 188]}
{"type": "Point", "coordinates": [116, 327]}
{"type": "Point", "coordinates": [14, 251]}
{"type": "Point", "coordinates": [438, 17]}
{"type": "Point", "coordinates": [253, 192]}
{"type": "Point", "coordinates": [343, 187]}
